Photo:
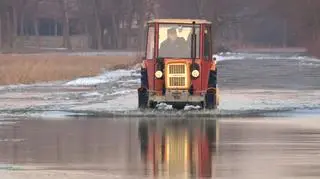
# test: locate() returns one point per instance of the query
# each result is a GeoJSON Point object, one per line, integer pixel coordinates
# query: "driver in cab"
{"type": "Point", "coordinates": [174, 46]}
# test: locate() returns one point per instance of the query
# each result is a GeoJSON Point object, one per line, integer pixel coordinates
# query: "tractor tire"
{"type": "Point", "coordinates": [143, 98]}
{"type": "Point", "coordinates": [211, 100]}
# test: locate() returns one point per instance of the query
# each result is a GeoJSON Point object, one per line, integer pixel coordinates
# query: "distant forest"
{"type": "Point", "coordinates": [115, 24]}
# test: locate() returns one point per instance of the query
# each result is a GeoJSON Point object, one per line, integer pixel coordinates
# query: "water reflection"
{"type": "Point", "coordinates": [97, 142]}
{"type": "Point", "coordinates": [162, 148]}
{"type": "Point", "coordinates": [179, 148]}
{"type": "Point", "coordinates": [138, 147]}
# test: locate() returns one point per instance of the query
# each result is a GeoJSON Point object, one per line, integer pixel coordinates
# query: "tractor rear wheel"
{"type": "Point", "coordinates": [211, 99]}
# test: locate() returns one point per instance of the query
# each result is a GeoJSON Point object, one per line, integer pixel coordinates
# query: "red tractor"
{"type": "Point", "coordinates": [178, 67]}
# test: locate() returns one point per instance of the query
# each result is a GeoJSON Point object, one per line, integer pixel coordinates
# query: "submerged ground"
{"type": "Point", "coordinates": [266, 125]}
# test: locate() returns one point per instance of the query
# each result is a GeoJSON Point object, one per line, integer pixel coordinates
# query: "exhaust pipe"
{"type": "Point", "coordinates": [194, 66]}
{"type": "Point", "coordinates": [193, 45]}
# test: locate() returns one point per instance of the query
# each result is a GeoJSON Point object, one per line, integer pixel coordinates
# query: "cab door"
{"type": "Point", "coordinates": [207, 55]}
{"type": "Point", "coordinates": [150, 55]}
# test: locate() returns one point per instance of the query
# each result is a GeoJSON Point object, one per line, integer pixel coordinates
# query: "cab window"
{"type": "Point", "coordinates": [207, 43]}
{"type": "Point", "coordinates": [150, 43]}
{"type": "Point", "coordinates": [175, 40]}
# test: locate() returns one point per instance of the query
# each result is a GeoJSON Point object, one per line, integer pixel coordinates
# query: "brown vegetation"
{"type": "Point", "coordinates": [25, 69]}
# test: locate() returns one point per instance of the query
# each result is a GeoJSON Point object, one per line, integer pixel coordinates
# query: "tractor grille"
{"type": "Point", "coordinates": [177, 76]}
{"type": "Point", "coordinates": [177, 81]}
{"type": "Point", "coordinates": [177, 69]}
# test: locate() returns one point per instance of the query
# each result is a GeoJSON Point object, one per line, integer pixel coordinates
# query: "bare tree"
{"type": "Point", "coordinates": [108, 23]}
{"type": "Point", "coordinates": [66, 25]}
{"type": "Point", "coordinates": [96, 11]}
{"type": "Point", "coordinates": [0, 31]}
{"type": "Point", "coordinates": [6, 24]}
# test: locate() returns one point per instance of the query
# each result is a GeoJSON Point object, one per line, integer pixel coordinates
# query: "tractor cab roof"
{"type": "Point", "coordinates": [180, 21]}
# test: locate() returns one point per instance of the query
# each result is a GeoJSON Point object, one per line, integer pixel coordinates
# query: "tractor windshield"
{"type": "Point", "coordinates": [175, 40]}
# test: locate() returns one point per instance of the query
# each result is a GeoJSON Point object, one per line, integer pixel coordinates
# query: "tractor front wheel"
{"type": "Point", "coordinates": [142, 98]}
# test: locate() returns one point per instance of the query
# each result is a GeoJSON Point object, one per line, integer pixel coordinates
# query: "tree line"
{"type": "Point", "coordinates": [108, 23]}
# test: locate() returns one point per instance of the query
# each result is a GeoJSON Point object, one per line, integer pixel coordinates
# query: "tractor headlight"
{"type": "Point", "coordinates": [195, 73]}
{"type": "Point", "coordinates": [158, 74]}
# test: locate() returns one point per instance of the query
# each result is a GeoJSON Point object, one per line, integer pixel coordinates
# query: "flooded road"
{"type": "Point", "coordinates": [174, 148]}
{"type": "Point", "coordinates": [251, 84]}
{"type": "Point", "coordinates": [266, 126]}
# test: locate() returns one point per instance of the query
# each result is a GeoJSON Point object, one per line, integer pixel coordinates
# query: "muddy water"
{"type": "Point", "coordinates": [162, 148]}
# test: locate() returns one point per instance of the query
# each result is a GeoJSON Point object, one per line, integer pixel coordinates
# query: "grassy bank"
{"type": "Point", "coordinates": [26, 69]}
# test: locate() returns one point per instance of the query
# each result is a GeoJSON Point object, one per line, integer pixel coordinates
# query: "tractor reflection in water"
{"type": "Point", "coordinates": [179, 148]}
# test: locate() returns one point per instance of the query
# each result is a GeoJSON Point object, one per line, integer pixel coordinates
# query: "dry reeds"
{"type": "Point", "coordinates": [26, 69]}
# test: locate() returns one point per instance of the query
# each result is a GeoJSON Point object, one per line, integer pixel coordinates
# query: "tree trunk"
{"type": "Point", "coordinates": [36, 24]}
{"type": "Point", "coordinates": [98, 26]}
{"type": "Point", "coordinates": [128, 30]}
{"type": "Point", "coordinates": [141, 33]}
{"type": "Point", "coordinates": [36, 31]}
{"type": "Point", "coordinates": [55, 27]}
{"type": "Point", "coordinates": [121, 34]}
{"type": "Point", "coordinates": [88, 34]}
{"type": "Point", "coordinates": [285, 34]}
{"type": "Point", "coordinates": [66, 25]}
{"type": "Point", "coordinates": [0, 31]}
{"type": "Point", "coordinates": [14, 27]}
{"type": "Point", "coordinates": [9, 30]}
{"type": "Point", "coordinates": [316, 24]}
{"type": "Point", "coordinates": [128, 20]}
{"type": "Point", "coordinates": [22, 13]}
{"type": "Point", "coordinates": [22, 24]}
{"type": "Point", "coordinates": [115, 26]}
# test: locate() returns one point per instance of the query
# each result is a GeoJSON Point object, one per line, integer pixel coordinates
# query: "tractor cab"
{"type": "Point", "coordinates": [178, 67]}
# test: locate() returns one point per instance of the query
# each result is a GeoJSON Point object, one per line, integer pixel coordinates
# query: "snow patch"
{"type": "Point", "coordinates": [106, 53]}
{"type": "Point", "coordinates": [164, 106]}
{"type": "Point", "coordinates": [122, 92]}
{"type": "Point", "coordinates": [260, 56]}
{"type": "Point", "coordinates": [104, 78]}
{"type": "Point", "coordinates": [54, 114]}
{"type": "Point", "coordinates": [221, 57]}
{"type": "Point", "coordinates": [191, 107]}
{"type": "Point", "coordinates": [92, 94]}
{"type": "Point", "coordinates": [130, 81]}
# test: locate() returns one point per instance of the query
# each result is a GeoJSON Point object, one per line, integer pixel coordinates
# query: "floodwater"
{"type": "Point", "coordinates": [162, 148]}
{"type": "Point", "coordinates": [266, 127]}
